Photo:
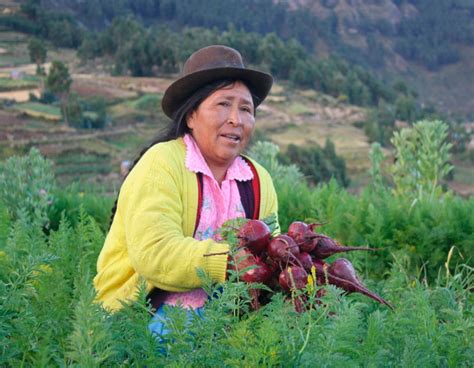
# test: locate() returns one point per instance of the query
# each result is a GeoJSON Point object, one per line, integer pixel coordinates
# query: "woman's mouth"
{"type": "Point", "coordinates": [232, 137]}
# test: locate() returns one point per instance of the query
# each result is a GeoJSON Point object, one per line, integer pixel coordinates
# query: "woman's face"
{"type": "Point", "coordinates": [223, 124]}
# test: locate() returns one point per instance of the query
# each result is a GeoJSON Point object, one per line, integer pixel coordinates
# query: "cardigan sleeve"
{"type": "Point", "coordinates": [152, 209]}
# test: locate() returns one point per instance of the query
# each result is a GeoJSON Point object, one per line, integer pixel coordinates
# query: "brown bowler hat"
{"type": "Point", "coordinates": [207, 65]}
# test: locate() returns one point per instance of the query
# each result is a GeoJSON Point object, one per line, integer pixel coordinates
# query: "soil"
{"type": "Point", "coordinates": [20, 95]}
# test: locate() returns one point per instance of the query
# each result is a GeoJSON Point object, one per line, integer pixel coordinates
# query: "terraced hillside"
{"type": "Point", "coordinates": [302, 117]}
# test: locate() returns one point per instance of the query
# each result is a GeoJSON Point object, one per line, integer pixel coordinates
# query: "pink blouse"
{"type": "Point", "coordinates": [220, 203]}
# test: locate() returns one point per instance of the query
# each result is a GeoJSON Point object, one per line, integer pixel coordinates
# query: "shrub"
{"type": "Point", "coordinates": [88, 113]}
{"type": "Point", "coordinates": [70, 201]}
{"type": "Point", "coordinates": [421, 159]}
{"type": "Point", "coordinates": [318, 164]}
{"type": "Point", "coordinates": [26, 185]}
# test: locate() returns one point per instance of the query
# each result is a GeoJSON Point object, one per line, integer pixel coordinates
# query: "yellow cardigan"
{"type": "Point", "coordinates": [151, 236]}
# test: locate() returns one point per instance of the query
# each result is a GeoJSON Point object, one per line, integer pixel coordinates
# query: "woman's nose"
{"type": "Point", "coordinates": [235, 117]}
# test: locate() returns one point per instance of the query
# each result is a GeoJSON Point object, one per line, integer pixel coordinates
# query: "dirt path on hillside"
{"type": "Point", "coordinates": [22, 95]}
{"type": "Point", "coordinates": [27, 68]}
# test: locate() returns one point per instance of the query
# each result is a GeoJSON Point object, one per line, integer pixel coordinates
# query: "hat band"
{"type": "Point", "coordinates": [217, 65]}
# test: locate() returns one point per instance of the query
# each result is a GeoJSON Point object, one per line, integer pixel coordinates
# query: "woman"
{"type": "Point", "coordinates": [183, 188]}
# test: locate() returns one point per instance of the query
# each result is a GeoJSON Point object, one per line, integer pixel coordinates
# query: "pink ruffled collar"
{"type": "Point", "coordinates": [195, 162]}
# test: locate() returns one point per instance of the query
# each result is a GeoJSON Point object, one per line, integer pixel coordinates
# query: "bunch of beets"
{"type": "Point", "coordinates": [284, 261]}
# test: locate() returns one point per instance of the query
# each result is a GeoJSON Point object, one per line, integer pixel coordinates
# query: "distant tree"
{"type": "Point", "coordinates": [304, 73]}
{"type": "Point", "coordinates": [95, 113]}
{"type": "Point", "coordinates": [38, 54]}
{"type": "Point", "coordinates": [31, 8]}
{"type": "Point", "coordinates": [90, 47]}
{"type": "Point", "coordinates": [405, 107]}
{"type": "Point", "coordinates": [59, 82]}
{"type": "Point", "coordinates": [74, 111]}
{"type": "Point", "coordinates": [318, 164]}
{"type": "Point", "coordinates": [380, 124]}
{"type": "Point", "coordinates": [64, 33]}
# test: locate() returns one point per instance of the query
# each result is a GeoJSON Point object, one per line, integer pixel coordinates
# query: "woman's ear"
{"type": "Point", "coordinates": [190, 120]}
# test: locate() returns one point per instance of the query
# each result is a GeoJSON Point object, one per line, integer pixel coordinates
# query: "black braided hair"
{"type": "Point", "coordinates": [179, 127]}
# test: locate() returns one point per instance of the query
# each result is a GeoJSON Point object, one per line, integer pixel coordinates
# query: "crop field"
{"type": "Point", "coordinates": [88, 87]}
{"type": "Point", "coordinates": [39, 110]}
{"type": "Point", "coordinates": [58, 184]}
{"type": "Point", "coordinates": [146, 105]}
{"type": "Point", "coordinates": [50, 241]}
{"type": "Point", "coordinates": [14, 46]}
{"type": "Point", "coordinates": [8, 84]}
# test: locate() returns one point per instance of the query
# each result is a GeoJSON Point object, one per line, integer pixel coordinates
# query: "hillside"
{"type": "Point", "coordinates": [374, 30]}
{"type": "Point", "coordinates": [289, 115]}
{"type": "Point", "coordinates": [428, 44]}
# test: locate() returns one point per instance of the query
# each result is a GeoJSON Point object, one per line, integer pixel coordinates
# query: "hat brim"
{"type": "Point", "coordinates": [179, 91]}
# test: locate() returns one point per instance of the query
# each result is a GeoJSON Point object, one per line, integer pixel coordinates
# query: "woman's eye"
{"type": "Point", "coordinates": [224, 103]}
{"type": "Point", "coordinates": [246, 109]}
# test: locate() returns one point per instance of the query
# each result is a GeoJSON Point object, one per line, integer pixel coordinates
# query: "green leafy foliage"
{"type": "Point", "coordinates": [38, 52]}
{"type": "Point", "coordinates": [70, 201]}
{"type": "Point", "coordinates": [60, 28]}
{"type": "Point", "coordinates": [376, 157]}
{"type": "Point", "coordinates": [424, 233]}
{"type": "Point", "coordinates": [435, 47]}
{"type": "Point", "coordinates": [421, 159]}
{"type": "Point", "coordinates": [318, 164]}
{"type": "Point", "coordinates": [430, 324]}
{"type": "Point", "coordinates": [26, 185]}
{"type": "Point", "coordinates": [266, 153]}
{"type": "Point", "coordinates": [90, 113]}
{"type": "Point", "coordinates": [58, 80]}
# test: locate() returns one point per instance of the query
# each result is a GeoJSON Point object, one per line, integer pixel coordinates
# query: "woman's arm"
{"type": "Point", "coordinates": [152, 208]}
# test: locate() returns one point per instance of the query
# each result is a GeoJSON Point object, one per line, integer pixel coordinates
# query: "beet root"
{"type": "Point", "coordinates": [304, 260]}
{"type": "Point", "coordinates": [341, 273]}
{"type": "Point", "coordinates": [282, 248]}
{"type": "Point", "coordinates": [255, 235]}
{"type": "Point", "coordinates": [261, 273]}
{"type": "Point", "coordinates": [321, 268]}
{"type": "Point", "coordinates": [326, 247]}
{"type": "Point", "coordinates": [293, 277]}
{"type": "Point", "coordinates": [302, 235]}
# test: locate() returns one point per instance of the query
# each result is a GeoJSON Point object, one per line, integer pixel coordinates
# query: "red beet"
{"type": "Point", "coordinates": [275, 266]}
{"type": "Point", "coordinates": [302, 235]}
{"type": "Point", "coordinates": [305, 261]}
{"type": "Point", "coordinates": [297, 230]}
{"type": "Point", "coordinates": [321, 268]}
{"type": "Point", "coordinates": [293, 277]}
{"type": "Point", "coordinates": [326, 247]}
{"type": "Point", "coordinates": [342, 274]}
{"type": "Point", "coordinates": [255, 235]}
{"type": "Point", "coordinates": [282, 248]}
{"type": "Point", "coordinates": [261, 273]}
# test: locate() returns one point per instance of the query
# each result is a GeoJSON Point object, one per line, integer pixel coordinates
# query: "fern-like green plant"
{"type": "Point", "coordinates": [27, 184]}
{"type": "Point", "coordinates": [421, 159]}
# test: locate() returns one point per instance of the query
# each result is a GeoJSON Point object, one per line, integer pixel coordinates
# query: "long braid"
{"type": "Point", "coordinates": [179, 127]}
